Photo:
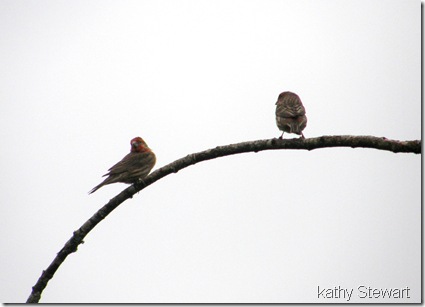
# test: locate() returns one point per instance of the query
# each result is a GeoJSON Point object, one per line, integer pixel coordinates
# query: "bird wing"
{"type": "Point", "coordinates": [290, 106]}
{"type": "Point", "coordinates": [132, 161]}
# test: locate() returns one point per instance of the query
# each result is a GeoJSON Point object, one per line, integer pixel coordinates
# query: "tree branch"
{"type": "Point", "coordinates": [71, 246]}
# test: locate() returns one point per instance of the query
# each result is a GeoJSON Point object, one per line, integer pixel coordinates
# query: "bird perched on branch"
{"type": "Point", "coordinates": [290, 114]}
{"type": "Point", "coordinates": [136, 165]}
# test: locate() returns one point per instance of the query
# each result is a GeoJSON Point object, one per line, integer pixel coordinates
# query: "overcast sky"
{"type": "Point", "coordinates": [80, 79]}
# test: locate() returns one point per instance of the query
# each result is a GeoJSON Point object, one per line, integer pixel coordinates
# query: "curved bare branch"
{"type": "Point", "coordinates": [71, 246]}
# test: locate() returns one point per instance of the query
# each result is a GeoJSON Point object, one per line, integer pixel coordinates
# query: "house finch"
{"type": "Point", "coordinates": [290, 114]}
{"type": "Point", "coordinates": [136, 165]}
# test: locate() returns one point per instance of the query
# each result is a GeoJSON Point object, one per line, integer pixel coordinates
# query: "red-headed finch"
{"type": "Point", "coordinates": [290, 114]}
{"type": "Point", "coordinates": [136, 165]}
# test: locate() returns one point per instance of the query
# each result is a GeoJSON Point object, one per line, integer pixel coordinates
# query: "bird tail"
{"type": "Point", "coordinates": [104, 182]}
{"type": "Point", "coordinates": [291, 127]}
{"type": "Point", "coordinates": [298, 124]}
{"type": "Point", "coordinates": [96, 188]}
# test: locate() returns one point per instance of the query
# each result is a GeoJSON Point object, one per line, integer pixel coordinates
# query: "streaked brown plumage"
{"type": "Point", "coordinates": [290, 114]}
{"type": "Point", "coordinates": [136, 165]}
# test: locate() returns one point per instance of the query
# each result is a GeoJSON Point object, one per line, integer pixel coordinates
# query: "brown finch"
{"type": "Point", "coordinates": [290, 114]}
{"type": "Point", "coordinates": [134, 166]}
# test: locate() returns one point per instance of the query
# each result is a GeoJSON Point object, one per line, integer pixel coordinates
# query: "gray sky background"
{"type": "Point", "coordinates": [79, 79]}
